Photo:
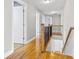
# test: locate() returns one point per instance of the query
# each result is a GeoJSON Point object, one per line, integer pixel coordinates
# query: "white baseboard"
{"type": "Point", "coordinates": [11, 51]}
{"type": "Point", "coordinates": [30, 40]}
{"type": "Point", "coordinates": [26, 42]}
{"type": "Point", "coordinates": [8, 53]}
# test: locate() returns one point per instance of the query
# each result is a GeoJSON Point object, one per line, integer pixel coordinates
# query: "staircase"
{"type": "Point", "coordinates": [47, 54]}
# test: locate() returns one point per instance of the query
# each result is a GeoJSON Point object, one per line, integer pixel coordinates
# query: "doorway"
{"type": "Point", "coordinates": [18, 25]}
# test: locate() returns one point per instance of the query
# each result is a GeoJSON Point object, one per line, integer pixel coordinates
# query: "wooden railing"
{"type": "Point", "coordinates": [70, 30]}
{"type": "Point", "coordinates": [45, 34]}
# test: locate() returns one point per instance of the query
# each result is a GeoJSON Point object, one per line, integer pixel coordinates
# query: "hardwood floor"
{"type": "Point", "coordinates": [25, 52]}
{"type": "Point", "coordinates": [28, 51]}
{"type": "Point", "coordinates": [51, 55]}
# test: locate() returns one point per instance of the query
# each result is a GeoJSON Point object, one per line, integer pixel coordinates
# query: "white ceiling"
{"type": "Point", "coordinates": [47, 8]}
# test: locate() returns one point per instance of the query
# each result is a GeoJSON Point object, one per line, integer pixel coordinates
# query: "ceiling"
{"type": "Point", "coordinates": [47, 8]}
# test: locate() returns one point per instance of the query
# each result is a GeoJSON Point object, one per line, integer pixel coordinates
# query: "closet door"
{"type": "Point", "coordinates": [17, 24]}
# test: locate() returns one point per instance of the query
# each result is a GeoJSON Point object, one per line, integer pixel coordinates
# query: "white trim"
{"type": "Point", "coordinates": [8, 53]}
{"type": "Point", "coordinates": [19, 1]}
{"type": "Point", "coordinates": [24, 5]}
{"type": "Point", "coordinates": [11, 51]}
{"type": "Point", "coordinates": [12, 25]}
{"type": "Point", "coordinates": [26, 42]}
{"type": "Point", "coordinates": [29, 40]}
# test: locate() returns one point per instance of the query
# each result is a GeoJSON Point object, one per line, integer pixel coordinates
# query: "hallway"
{"type": "Point", "coordinates": [51, 20]}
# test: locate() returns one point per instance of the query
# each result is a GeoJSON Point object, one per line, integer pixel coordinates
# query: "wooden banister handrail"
{"type": "Point", "coordinates": [70, 30]}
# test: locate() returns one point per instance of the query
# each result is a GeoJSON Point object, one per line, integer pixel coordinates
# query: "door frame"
{"type": "Point", "coordinates": [24, 8]}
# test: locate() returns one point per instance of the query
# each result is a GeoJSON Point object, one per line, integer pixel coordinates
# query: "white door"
{"type": "Point", "coordinates": [17, 28]}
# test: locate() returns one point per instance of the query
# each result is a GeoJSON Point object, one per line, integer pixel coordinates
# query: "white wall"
{"type": "Point", "coordinates": [69, 22]}
{"type": "Point", "coordinates": [55, 44]}
{"type": "Point", "coordinates": [68, 16]}
{"type": "Point", "coordinates": [31, 21]}
{"type": "Point", "coordinates": [7, 26]}
{"type": "Point", "coordinates": [69, 50]}
{"type": "Point", "coordinates": [56, 19]}
{"type": "Point", "coordinates": [8, 42]}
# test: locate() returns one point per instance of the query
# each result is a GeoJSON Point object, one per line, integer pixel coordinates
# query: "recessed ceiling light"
{"type": "Point", "coordinates": [48, 1]}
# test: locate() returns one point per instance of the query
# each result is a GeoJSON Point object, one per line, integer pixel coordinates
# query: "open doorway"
{"type": "Point", "coordinates": [18, 25]}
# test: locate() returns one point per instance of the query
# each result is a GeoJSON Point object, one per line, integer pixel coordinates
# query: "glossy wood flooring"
{"type": "Point", "coordinates": [28, 51]}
